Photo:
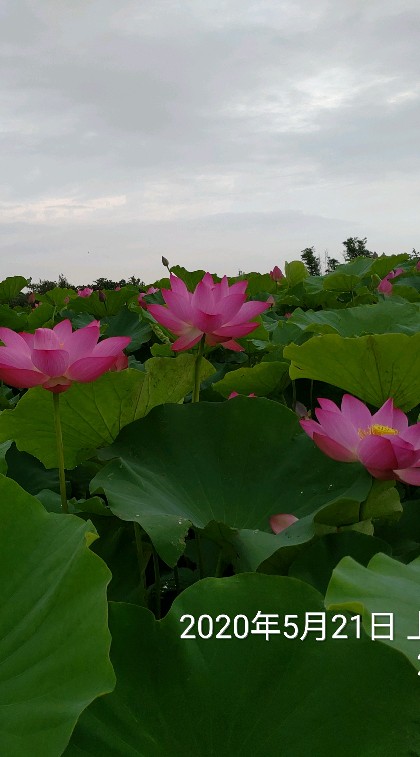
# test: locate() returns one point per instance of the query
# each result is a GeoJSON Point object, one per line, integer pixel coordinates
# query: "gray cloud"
{"type": "Point", "coordinates": [207, 128]}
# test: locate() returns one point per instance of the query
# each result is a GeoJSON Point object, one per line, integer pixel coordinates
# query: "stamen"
{"type": "Point", "coordinates": [377, 430]}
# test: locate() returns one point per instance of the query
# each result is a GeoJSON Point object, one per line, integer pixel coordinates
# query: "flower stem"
{"type": "Point", "coordinates": [159, 333]}
{"type": "Point", "coordinates": [158, 584]}
{"type": "Point", "coordinates": [60, 452]}
{"type": "Point", "coordinates": [196, 391]}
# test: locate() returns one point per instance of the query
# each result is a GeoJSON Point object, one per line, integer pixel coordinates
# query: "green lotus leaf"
{"type": "Point", "coordinates": [58, 296]}
{"type": "Point", "coordinates": [346, 277]}
{"type": "Point", "coordinates": [4, 448]}
{"type": "Point", "coordinates": [315, 564]}
{"type": "Point", "coordinates": [384, 264]}
{"type": "Point", "coordinates": [101, 308]}
{"type": "Point", "coordinates": [295, 273]}
{"type": "Point", "coordinates": [40, 317]}
{"type": "Point", "coordinates": [11, 287]}
{"type": "Point", "coordinates": [54, 639]}
{"type": "Point", "coordinates": [385, 317]}
{"type": "Point", "coordinates": [261, 379]}
{"type": "Point", "coordinates": [247, 696]}
{"type": "Point", "coordinates": [384, 586]}
{"type": "Point", "coordinates": [13, 319]}
{"type": "Point", "coordinates": [197, 463]}
{"type": "Point", "coordinates": [257, 283]}
{"type": "Point", "coordinates": [126, 323]}
{"type": "Point", "coordinates": [373, 368]}
{"type": "Point", "coordinates": [405, 291]}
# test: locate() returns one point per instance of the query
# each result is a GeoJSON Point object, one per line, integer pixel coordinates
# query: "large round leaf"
{"type": "Point", "coordinates": [373, 368]}
{"type": "Point", "coordinates": [54, 639]}
{"type": "Point", "coordinates": [385, 317]}
{"type": "Point", "coordinates": [261, 379]}
{"type": "Point", "coordinates": [385, 586]}
{"type": "Point", "coordinates": [126, 323]}
{"type": "Point", "coordinates": [315, 564]}
{"type": "Point", "coordinates": [10, 287]}
{"type": "Point", "coordinates": [236, 462]}
{"type": "Point", "coordinates": [251, 697]}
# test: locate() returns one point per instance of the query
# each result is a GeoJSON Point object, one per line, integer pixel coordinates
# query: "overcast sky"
{"type": "Point", "coordinates": [223, 134]}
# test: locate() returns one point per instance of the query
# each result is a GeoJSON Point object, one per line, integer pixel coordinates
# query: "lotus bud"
{"type": "Point", "coordinates": [276, 274]}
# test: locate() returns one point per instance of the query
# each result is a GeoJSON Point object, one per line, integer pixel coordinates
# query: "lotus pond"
{"type": "Point", "coordinates": [210, 515]}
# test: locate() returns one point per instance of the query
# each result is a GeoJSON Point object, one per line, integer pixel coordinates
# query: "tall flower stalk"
{"type": "Point", "coordinates": [60, 453]}
{"type": "Point", "coordinates": [197, 367]}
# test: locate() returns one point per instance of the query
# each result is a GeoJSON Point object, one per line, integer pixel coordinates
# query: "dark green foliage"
{"type": "Point", "coordinates": [311, 261]}
{"type": "Point", "coordinates": [332, 264]}
{"type": "Point", "coordinates": [356, 247]}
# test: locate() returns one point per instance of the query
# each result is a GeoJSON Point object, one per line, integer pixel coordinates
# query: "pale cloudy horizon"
{"type": "Point", "coordinates": [224, 135]}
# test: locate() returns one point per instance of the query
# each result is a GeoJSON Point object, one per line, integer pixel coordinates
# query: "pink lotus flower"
{"type": "Point", "coordinates": [276, 274]}
{"type": "Point", "coordinates": [235, 394]}
{"type": "Point", "coordinates": [142, 295]}
{"type": "Point", "coordinates": [270, 301]}
{"type": "Point", "coordinates": [281, 521]}
{"type": "Point", "coordinates": [385, 285]}
{"type": "Point", "coordinates": [218, 311]}
{"type": "Point", "coordinates": [288, 315]}
{"type": "Point", "coordinates": [418, 265]}
{"type": "Point", "coordinates": [54, 358]}
{"type": "Point", "coordinates": [382, 442]}
{"type": "Point", "coordinates": [86, 292]}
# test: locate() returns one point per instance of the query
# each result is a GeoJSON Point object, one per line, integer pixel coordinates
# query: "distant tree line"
{"type": "Point", "coordinates": [353, 248]}
{"type": "Point", "coordinates": [101, 284]}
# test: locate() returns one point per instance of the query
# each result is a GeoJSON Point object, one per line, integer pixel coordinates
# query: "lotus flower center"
{"type": "Point", "coordinates": [377, 430]}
